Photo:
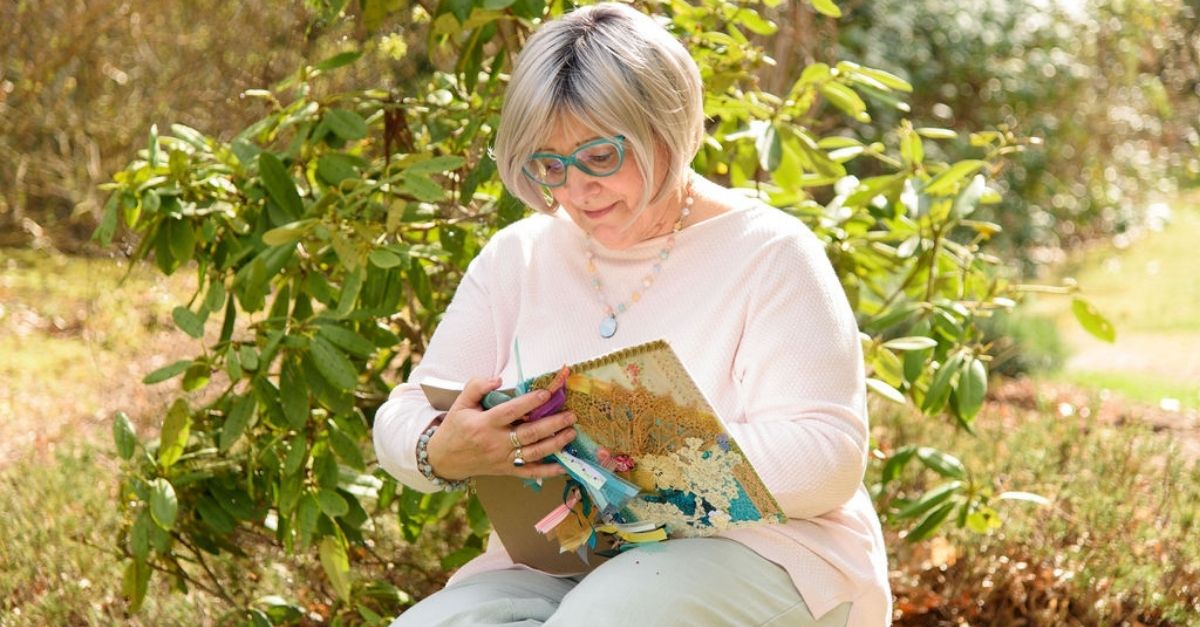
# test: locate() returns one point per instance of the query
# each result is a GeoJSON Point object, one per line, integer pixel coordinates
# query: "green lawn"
{"type": "Point", "coordinates": [1150, 291]}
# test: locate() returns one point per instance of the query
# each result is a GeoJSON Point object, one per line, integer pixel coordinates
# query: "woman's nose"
{"type": "Point", "coordinates": [580, 186]}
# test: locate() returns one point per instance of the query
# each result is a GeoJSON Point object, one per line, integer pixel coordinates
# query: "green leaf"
{"type": "Point", "coordinates": [139, 535]}
{"type": "Point", "coordinates": [347, 340]}
{"type": "Point", "coordinates": [756, 23]}
{"type": "Point", "coordinates": [423, 187]}
{"type": "Point", "coordinates": [181, 239]}
{"type": "Point", "coordinates": [443, 163]}
{"type": "Point", "coordinates": [968, 197]}
{"type": "Point", "coordinates": [1028, 497]}
{"type": "Point", "coordinates": [332, 503]}
{"type": "Point", "coordinates": [108, 223]}
{"type": "Point", "coordinates": [297, 451]}
{"type": "Point", "coordinates": [896, 463]}
{"type": "Point", "coordinates": [1092, 321]}
{"type": "Point", "coordinates": [216, 517]}
{"type": "Point", "coordinates": [135, 583]}
{"type": "Point", "coordinates": [248, 357]}
{"type": "Point", "coordinates": [769, 147]}
{"type": "Point", "coordinates": [949, 178]}
{"type": "Point", "coordinates": [883, 389]}
{"type": "Point", "coordinates": [929, 500]}
{"type": "Point", "coordinates": [233, 367]}
{"type": "Point", "coordinates": [333, 168]}
{"type": "Point", "coordinates": [384, 258]}
{"type": "Point", "coordinates": [348, 125]}
{"type": "Point", "coordinates": [188, 321]}
{"type": "Point", "coordinates": [939, 388]}
{"type": "Point", "coordinates": [235, 501]}
{"type": "Point", "coordinates": [845, 99]}
{"type": "Point", "coordinates": [152, 147]}
{"type": "Point", "coordinates": [333, 364]}
{"type": "Point", "coordinates": [983, 520]}
{"type": "Point", "coordinates": [346, 448]}
{"type": "Point", "coordinates": [910, 343]}
{"type": "Point", "coordinates": [338, 60]}
{"type": "Point", "coordinates": [460, 8]}
{"type": "Point", "coordinates": [196, 377]}
{"type": "Point", "coordinates": [911, 149]}
{"type": "Point", "coordinates": [477, 517]}
{"type": "Point", "coordinates": [124, 436]}
{"type": "Point", "coordinates": [164, 506]}
{"type": "Point", "coordinates": [352, 283]}
{"type": "Point", "coordinates": [972, 388]}
{"type": "Point", "coordinates": [290, 232]}
{"type": "Point", "coordinates": [420, 283]}
{"type": "Point", "coordinates": [175, 430]}
{"type": "Point", "coordinates": [214, 300]}
{"type": "Point", "coordinates": [827, 8]}
{"type": "Point", "coordinates": [942, 463]}
{"type": "Point", "coordinates": [336, 565]}
{"type": "Point", "coordinates": [886, 78]}
{"type": "Point", "coordinates": [190, 135]}
{"type": "Point", "coordinates": [280, 186]}
{"type": "Point", "coordinates": [930, 524]}
{"type": "Point", "coordinates": [167, 372]}
{"type": "Point", "coordinates": [460, 556]}
{"type": "Point", "coordinates": [936, 133]}
{"type": "Point", "coordinates": [240, 412]}
{"type": "Point", "coordinates": [308, 514]}
{"type": "Point", "coordinates": [293, 394]}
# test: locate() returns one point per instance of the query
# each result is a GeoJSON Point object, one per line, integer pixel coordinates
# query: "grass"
{"type": "Point", "coordinates": [1150, 292]}
{"type": "Point", "coordinates": [1115, 547]}
{"type": "Point", "coordinates": [1150, 389]}
{"type": "Point", "coordinates": [1150, 286]}
{"type": "Point", "coordinates": [56, 548]}
{"type": "Point", "coordinates": [75, 344]}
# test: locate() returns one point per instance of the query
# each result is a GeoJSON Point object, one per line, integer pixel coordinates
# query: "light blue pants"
{"type": "Point", "coordinates": [692, 582]}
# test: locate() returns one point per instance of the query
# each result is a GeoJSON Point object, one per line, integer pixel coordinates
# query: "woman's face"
{"type": "Point", "coordinates": [604, 205]}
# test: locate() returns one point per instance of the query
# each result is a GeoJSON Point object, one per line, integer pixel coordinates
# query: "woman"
{"type": "Point", "coordinates": [603, 114]}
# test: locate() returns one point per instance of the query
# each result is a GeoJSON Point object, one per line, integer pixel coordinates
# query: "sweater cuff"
{"type": "Point", "coordinates": [396, 443]}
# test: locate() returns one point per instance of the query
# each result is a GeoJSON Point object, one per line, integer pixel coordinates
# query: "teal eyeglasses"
{"type": "Point", "coordinates": [599, 157]}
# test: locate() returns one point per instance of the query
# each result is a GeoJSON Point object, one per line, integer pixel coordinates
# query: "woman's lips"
{"type": "Point", "coordinates": [596, 214]}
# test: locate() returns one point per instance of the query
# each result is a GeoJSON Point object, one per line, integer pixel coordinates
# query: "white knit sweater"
{"type": "Point", "coordinates": [751, 305]}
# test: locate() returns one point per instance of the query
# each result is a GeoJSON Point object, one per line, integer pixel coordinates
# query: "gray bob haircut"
{"type": "Point", "coordinates": [617, 71]}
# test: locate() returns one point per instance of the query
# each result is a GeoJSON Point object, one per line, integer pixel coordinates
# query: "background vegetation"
{"type": "Point", "coordinates": [325, 219]}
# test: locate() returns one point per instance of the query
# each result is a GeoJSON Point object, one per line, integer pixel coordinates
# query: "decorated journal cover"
{"type": "Point", "coordinates": [650, 461]}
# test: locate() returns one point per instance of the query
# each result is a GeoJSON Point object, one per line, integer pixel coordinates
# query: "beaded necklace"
{"type": "Point", "coordinates": [608, 324]}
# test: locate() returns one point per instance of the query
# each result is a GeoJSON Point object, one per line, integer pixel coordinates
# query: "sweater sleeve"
{"type": "Point", "coordinates": [463, 346]}
{"type": "Point", "coordinates": [801, 382]}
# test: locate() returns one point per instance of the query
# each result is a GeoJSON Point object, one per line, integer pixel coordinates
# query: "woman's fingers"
{"type": "Point", "coordinates": [506, 413]}
{"type": "Point", "coordinates": [539, 471]}
{"type": "Point", "coordinates": [473, 393]}
{"type": "Point", "coordinates": [531, 432]}
{"type": "Point", "coordinates": [546, 446]}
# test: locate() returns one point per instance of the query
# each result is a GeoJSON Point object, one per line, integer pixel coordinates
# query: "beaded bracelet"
{"type": "Point", "coordinates": [424, 466]}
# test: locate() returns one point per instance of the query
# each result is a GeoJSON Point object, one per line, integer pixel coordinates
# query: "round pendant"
{"type": "Point", "coordinates": [608, 327]}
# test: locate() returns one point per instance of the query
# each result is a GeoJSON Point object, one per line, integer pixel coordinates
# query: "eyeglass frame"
{"type": "Point", "coordinates": [569, 160]}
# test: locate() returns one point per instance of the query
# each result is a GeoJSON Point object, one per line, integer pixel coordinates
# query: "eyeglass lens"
{"type": "Point", "coordinates": [600, 159]}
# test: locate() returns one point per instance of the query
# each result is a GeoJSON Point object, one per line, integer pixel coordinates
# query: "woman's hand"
{"type": "Point", "coordinates": [472, 441]}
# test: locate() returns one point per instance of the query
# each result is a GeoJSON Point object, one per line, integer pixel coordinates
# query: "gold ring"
{"type": "Point", "coordinates": [512, 437]}
{"type": "Point", "coordinates": [519, 460]}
